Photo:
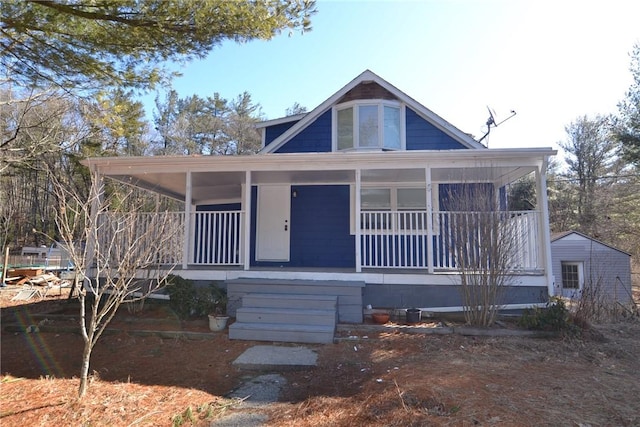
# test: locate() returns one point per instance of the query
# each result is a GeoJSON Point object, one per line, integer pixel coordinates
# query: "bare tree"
{"type": "Point", "coordinates": [485, 244]}
{"type": "Point", "coordinates": [109, 248]}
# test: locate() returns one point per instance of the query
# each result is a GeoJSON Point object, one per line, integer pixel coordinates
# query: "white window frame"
{"type": "Point", "coordinates": [435, 202]}
{"type": "Point", "coordinates": [380, 103]}
{"type": "Point", "coordinates": [580, 268]}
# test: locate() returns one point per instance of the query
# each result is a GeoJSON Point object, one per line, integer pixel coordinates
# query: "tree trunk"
{"type": "Point", "coordinates": [84, 370]}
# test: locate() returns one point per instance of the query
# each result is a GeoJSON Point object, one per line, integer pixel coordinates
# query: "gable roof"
{"type": "Point", "coordinates": [366, 77]}
{"type": "Point", "coordinates": [279, 121]}
{"type": "Point", "coordinates": [561, 235]}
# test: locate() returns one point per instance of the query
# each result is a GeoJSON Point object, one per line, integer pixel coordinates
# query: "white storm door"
{"type": "Point", "coordinates": [273, 224]}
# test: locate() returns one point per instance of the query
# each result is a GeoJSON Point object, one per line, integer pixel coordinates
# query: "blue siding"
{"type": "Point", "coordinates": [449, 192]}
{"type": "Point", "coordinates": [320, 219]}
{"type": "Point", "coordinates": [315, 138]}
{"type": "Point", "coordinates": [422, 135]}
{"type": "Point", "coordinates": [219, 208]}
{"type": "Point", "coordinates": [272, 132]}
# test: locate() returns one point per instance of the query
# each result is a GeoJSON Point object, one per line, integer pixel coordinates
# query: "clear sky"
{"type": "Point", "coordinates": [550, 61]}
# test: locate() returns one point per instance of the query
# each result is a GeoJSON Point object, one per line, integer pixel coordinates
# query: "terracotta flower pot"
{"type": "Point", "coordinates": [380, 318]}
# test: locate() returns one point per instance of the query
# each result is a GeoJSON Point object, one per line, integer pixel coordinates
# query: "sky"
{"type": "Point", "coordinates": [549, 61]}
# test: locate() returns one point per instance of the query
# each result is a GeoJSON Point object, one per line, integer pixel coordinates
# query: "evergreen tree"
{"type": "Point", "coordinates": [126, 43]}
{"type": "Point", "coordinates": [628, 124]}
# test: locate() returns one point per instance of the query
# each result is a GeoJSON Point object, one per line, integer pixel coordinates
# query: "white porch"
{"type": "Point", "coordinates": [389, 243]}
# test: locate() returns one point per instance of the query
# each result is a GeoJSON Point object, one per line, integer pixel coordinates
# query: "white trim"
{"type": "Point", "coordinates": [373, 278]}
{"type": "Point", "coordinates": [380, 104]}
{"type": "Point", "coordinates": [246, 207]}
{"type": "Point", "coordinates": [413, 159]}
{"type": "Point", "coordinates": [358, 226]}
{"type": "Point", "coordinates": [572, 292]}
{"type": "Point", "coordinates": [430, 222]}
{"type": "Point", "coordinates": [206, 202]}
{"type": "Point", "coordinates": [279, 121]}
{"type": "Point", "coordinates": [186, 244]}
{"type": "Point", "coordinates": [459, 308]}
{"type": "Point", "coordinates": [544, 236]}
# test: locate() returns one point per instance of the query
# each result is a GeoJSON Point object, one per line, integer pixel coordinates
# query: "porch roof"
{"type": "Point", "coordinates": [221, 177]}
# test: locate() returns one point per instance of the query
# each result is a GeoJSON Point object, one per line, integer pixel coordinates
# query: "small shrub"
{"type": "Point", "coordinates": [554, 317]}
{"type": "Point", "coordinates": [189, 300]}
{"type": "Point", "coordinates": [182, 294]}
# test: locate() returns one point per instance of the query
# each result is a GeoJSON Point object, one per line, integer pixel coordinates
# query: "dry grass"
{"type": "Point", "coordinates": [48, 401]}
{"type": "Point", "coordinates": [387, 379]}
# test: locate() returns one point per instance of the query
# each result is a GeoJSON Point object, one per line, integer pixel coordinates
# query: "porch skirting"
{"type": "Point", "coordinates": [399, 296]}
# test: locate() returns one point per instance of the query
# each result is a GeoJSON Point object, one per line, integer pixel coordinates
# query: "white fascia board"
{"type": "Point", "coordinates": [320, 161]}
{"type": "Point", "coordinates": [280, 121]}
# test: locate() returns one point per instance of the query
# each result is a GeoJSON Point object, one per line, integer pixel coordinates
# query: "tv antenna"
{"type": "Point", "coordinates": [491, 122]}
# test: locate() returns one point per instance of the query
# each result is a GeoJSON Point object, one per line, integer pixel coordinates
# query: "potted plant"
{"type": "Point", "coordinates": [217, 308]}
{"type": "Point", "coordinates": [380, 317]}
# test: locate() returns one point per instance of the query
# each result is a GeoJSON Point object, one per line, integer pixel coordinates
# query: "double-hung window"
{"type": "Point", "coordinates": [368, 125]}
{"type": "Point", "coordinates": [411, 202]}
{"type": "Point", "coordinates": [394, 209]}
{"type": "Point", "coordinates": [571, 275]}
{"type": "Point", "coordinates": [376, 207]}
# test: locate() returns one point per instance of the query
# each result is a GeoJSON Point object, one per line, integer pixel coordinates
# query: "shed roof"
{"type": "Point", "coordinates": [562, 234]}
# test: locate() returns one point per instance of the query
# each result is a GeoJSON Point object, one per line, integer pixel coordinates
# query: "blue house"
{"type": "Point", "coordinates": [349, 205]}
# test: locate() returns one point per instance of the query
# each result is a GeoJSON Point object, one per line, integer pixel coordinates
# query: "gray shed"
{"type": "Point", "coordinates": [580, 262]}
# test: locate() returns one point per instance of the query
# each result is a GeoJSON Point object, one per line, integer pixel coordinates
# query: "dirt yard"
{"type": "Point", "coordinates": [386, 379]}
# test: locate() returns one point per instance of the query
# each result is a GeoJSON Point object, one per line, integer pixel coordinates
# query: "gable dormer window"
{"type": "Point", "coordinates": [365, 125]}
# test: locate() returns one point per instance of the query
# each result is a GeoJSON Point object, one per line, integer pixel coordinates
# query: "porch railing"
{"type": "Point", "coordinates": [389, 239]}
{"type": "Point", "coordinates": [399, 239]}
{"type": "Point", "coordinates": [148, 238]}
{"type": "Point", "coordinates": [217, 238]}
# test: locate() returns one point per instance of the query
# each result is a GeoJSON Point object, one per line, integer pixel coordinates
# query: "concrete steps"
{"type": "Point", "coordinates": [285, 317]}
{"type": "Point", "coordinates": [349, 294]}
{"type": "Point", "coordinates": [281, 332]}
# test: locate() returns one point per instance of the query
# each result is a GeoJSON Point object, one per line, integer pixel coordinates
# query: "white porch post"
{"type": "Point", "coordinates": [429, 189]}
{"type": "Point", "coordinates": [186, 244]}
{"type": "Point", "coordinates": [357, 222]}
{"type": "Point", "coordinates": [544, 234]}
{"type": "Point", "coordinates": [246, 207]}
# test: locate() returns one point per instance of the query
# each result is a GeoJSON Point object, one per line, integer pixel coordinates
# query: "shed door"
{"type": "Point", "coordinates": [273, 224]}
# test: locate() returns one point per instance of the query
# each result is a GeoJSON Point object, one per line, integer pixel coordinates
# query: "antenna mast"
{"type": "Point", "coordinates": [491, 122]}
